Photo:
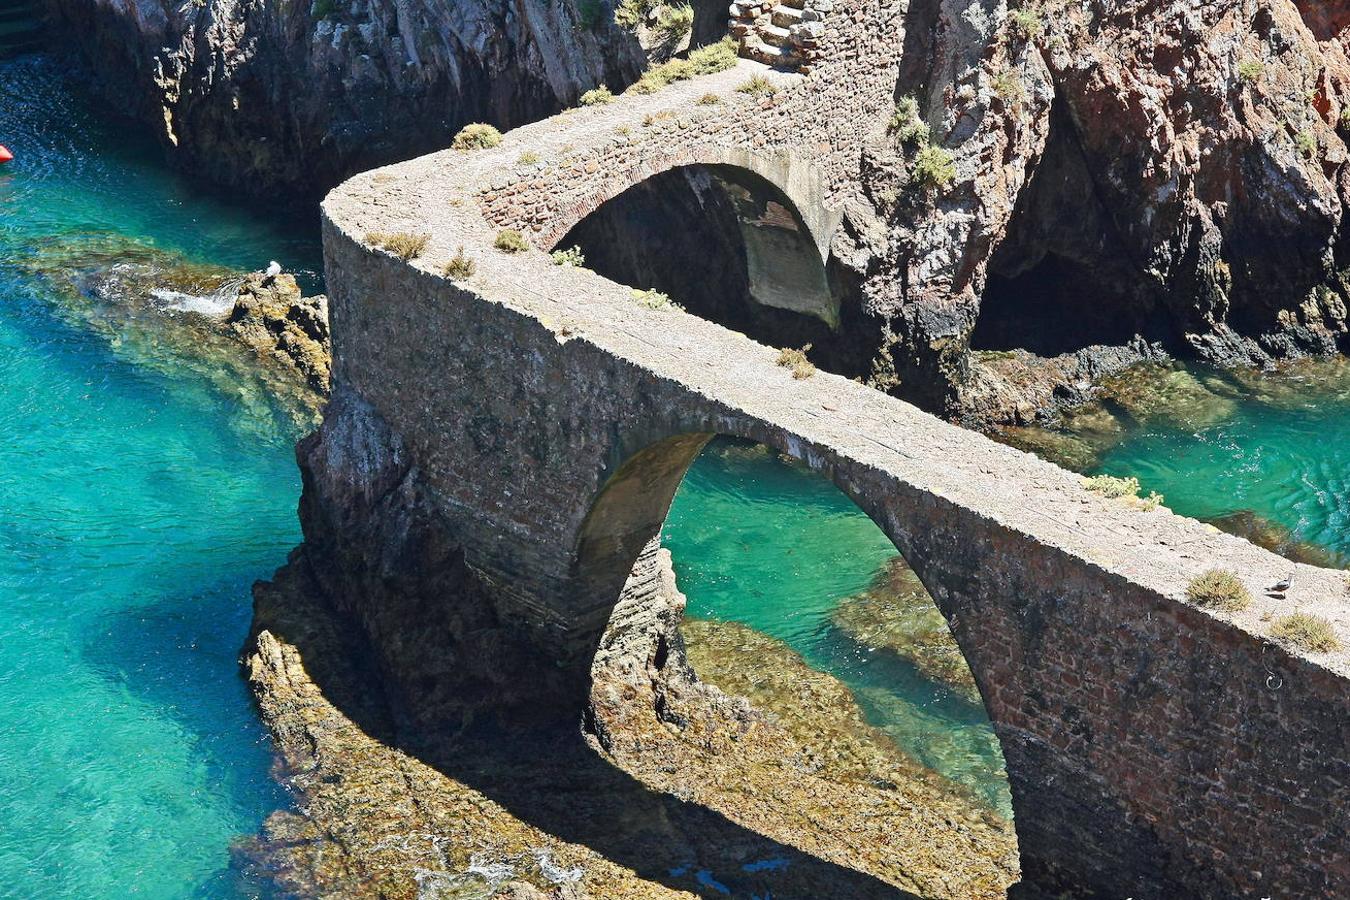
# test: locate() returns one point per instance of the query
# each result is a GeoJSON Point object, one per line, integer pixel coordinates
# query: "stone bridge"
{"type": "Point", "coordinates": [1155, 749]}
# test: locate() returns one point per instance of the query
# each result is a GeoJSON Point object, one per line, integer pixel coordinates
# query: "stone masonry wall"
{"type": "Point", "coordinates": [1154, 748]}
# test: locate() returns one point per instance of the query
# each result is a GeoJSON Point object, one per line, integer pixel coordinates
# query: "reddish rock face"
{"type": "Point", "coordinates": [1154, 169]}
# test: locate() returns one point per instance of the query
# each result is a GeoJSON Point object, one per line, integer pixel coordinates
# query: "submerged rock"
{"type": "Point", "coordinates": [897, 614]}
{"type": "Point", "coordinates": [1172, 396]}
{"type": "Point", "coordinates": [1276, 538]}
{"type": "Point", "coordinates": [167, 313]}
{"type": "Point", "coordinates": [676, 786]}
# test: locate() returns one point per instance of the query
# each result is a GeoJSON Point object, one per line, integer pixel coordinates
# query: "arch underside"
{"type": "Point", "coordinates": [732, 246]}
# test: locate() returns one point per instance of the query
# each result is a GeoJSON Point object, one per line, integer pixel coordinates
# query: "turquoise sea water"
{"type": "Point", "coordinates": [136, 507]}
{"type": "Point", "coordinates": [760, 539]}
{"type": "Point", "coordinates": [1282, 452]}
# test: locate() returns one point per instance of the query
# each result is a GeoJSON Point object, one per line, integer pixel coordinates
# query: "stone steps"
{"type": "Point", "coordinates": [785, 16]}
{"type": "Point", "coordinates": [774, 36]}
{"type": "Point", "coordinates": [785, 34]}
{"type": "Point", "coordinates": [770, 55]}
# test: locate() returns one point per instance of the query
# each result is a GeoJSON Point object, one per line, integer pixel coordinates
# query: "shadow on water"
{"type": "Point", "coordinates": [554, 781]}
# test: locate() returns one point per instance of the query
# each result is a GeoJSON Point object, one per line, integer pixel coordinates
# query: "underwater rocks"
{"type": "Point", "coordinates": [1150, 395]}
{"type": "Point", "coordinates": [272, 317]}
{"type": "Point", "coordinates": [897, 614]}
{"type": "Point", "coordinates": [675, 786]}
{"type": "Point", "coordinates": [168, 314]}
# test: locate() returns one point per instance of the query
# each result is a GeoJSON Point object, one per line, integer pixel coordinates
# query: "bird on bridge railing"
{"type": "Point", "coordinates": [1282, 585]}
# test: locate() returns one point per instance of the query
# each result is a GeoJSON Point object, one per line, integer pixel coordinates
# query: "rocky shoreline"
{"type": "Point", "coordinates": [674, 783]}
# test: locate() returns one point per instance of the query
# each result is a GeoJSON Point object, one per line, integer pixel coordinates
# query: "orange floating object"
{"type": "Point", "coordinates": [5, 155]}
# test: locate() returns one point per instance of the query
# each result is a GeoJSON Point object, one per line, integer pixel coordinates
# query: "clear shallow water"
{"type": "Point", "coordinates": [135, 511]}
{"type": "Point", "coordinates": [764, 541]}
{"type": "Point", "coordinates": [1283, 454]}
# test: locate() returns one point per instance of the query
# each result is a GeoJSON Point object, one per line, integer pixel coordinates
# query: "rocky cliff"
{"type": "Point", "coordinates": [293, 97]}
{"type": "Point", "coordinates": [1151, 176]}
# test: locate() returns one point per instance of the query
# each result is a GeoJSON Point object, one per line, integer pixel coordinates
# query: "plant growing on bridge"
{"type": "Point", "coordinates": [528, 158]}
{"type": "Point", "coordinates": [510, 241]}
{"type": "Point", "coordinates": [1251, 70]}
{"type": "Point", "coordinates": [758, 86]}
{"type": "Point", "coordinates": [796, 361]}
{"type": "Point", "coordinates": [403, 244]}
{"type": "Point", "coordinates": [709, 99]}
{"type": "Point", "coordinates": [572, 256]}
{"type": "Point", "coordinates": [476, 136]}
{"type": "Point", "coordinates": [655, 300]}
{"type": "Point", "coordinates": [907, 124]}
{"type": "Point", "coordinates": [460, 266]}
{"type": "Point", "coordinates": [1307, 632]}
{"type": "Point", "coordinates": [1218, 588]}
{"type": "Point", "coordinates": [934, 167]}
{"type": "Point", "coordinates": [597, 97]}
{"type": "Point", "coordinates": [1123, 488]}
{"type": "Point", "coordinates": [703, 61]}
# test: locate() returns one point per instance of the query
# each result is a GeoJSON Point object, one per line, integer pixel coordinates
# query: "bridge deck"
{"type": "Point", "coordinates": [461, 199]}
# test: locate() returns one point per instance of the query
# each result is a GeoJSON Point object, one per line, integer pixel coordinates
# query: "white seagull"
{"type": "Point", "coordinates": [273, 270]}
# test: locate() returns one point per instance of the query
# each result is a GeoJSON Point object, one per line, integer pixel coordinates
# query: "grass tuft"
{"type": "Point", "coordinates": [572, 256]}
{"type": "Point", "coordinates": [655, 300]}
{"type": "Point", "coordinates": [1307, 632]}
{"type": "Point", "coordinates": [704, 61]}
{"type": "Point", "coordinates": [403, 244]}
{"type": "Point", "coordinates": [796, 362]}
{"type": "Point", "coordinates": [934, 167]}
{"type": "Point", "coordinates": [907, 124]}
{"type": "Point", "coordinates": [510, 241]}
{"type": "Point", "coordinates": [597, 97]}
{"type": "Point", "coordinates": [476, 136]}
{"type": "Point", "coordinates": [1220, 589]}
{"type": "Point", "coordinates": [1251, 70]}
{"type": "Point", "coordinates": [758, 86]}
{"type": "Point", "coordinates": [460, 267]}
{"type": "Point", "coordinates": [1027, 22]}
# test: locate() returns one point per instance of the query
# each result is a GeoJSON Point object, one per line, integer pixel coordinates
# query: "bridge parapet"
{"type": "Point", "coordinates": [546, 417]}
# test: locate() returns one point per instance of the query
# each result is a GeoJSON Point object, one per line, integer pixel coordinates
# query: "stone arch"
{"type": "Point", "coordinates": [798, 180]}
{"type": "Point", "coordinates": [740, 239]}
{"type": "Point", "coordinates": [620, 532]}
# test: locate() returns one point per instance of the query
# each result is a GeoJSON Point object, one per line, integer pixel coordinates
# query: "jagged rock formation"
{"type": "Point", "coordinates": [294, 97]}
{"type": "Point", "coordinates": [1150, 169]}
{"type": "Point", "coordinates": [275, 319]}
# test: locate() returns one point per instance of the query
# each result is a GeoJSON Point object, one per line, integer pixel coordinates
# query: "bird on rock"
{"type": "Point", "coordinates": [1282, 585]}
{"type": "Point", "coordinates": [272, 271]}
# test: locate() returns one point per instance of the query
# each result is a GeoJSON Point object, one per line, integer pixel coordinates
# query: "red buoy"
{"type": "Point", "coordinates": [5, 155]}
